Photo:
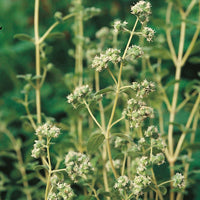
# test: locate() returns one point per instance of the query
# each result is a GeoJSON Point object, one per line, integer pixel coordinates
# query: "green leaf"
{"type": "Point", "coordinates": [196, 48]}
{"type": "Point", "coordinates": [56, 35]}
{"type": "Point", "coordinates": [194, 146]}
{"type": "Point", "coordinates": [163, 190]}
{"type": "Point", "coordinates": [23, 37]}
{"type": "Point", "coordinates": [194, 60]}
{"type": "Point", "coordinates": [39, 167]}
{"type": "Point", "coordinates": [181, 127]}
{"type": "Point", "coordinates": [105, 90]}
{"type": "Point", "coordinates": [172, 82]}
{"type": "Point", "coordinates": [94, 142]}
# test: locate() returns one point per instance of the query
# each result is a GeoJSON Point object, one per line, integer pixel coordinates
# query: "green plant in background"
{"type": "Point", "coordinates": [111, 147]}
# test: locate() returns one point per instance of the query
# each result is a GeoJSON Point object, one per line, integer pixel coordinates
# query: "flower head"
{"type": "Point", "coordinates": [142, 10]}
{"type": "Point", "coordinates": [118, 25]}
{"type": "Point", "coordinates": [48, 130]}
{"type": "Point", "coordinates": [178, 180]}
{"type": "Point", "coordinates": [77, 165]}
{"type": "Point", "coordinates": [148, 33]}
{"type": "Point", "coordinates": [101, 62]}
{"type": "Point", "coordinates": [79, 95]}
{"type": "Point", "coordinates": [38, 148]}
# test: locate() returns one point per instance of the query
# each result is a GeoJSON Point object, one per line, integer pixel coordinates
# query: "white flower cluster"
{"type": "Point", "coordinates": [48, 130]}
{"type": "Point", "coordinates": [123, 184]}
{"type": "Point", "coordinates": [142, 10]}
{"type": "Point", "coordinates": [119, 26]}
{"type": "Point", "coordinates": [38, 148]}
{"type": "Point", "coordinates": [80, 93]}
{"type": "Point", "coordinates": [135, 186]}
{"type": "Point", "coordinates": [134, 52]}
{"type": "Point", "coordinates": [143, 89]}
{"type": "Point", "coordinates": [143, 162]}
{"type": "Point", "coordinates": [148, 33]}
{"type": "Point", "coordinates": [178, 181]}
{"type": "Point", "coordinates": [78, 166]}
{"type": "Point", "coordinates": [152, 131]}
{"type": "Point", "coordinates": [136, 112]}
{"type": "Point", "coordinates": [63, 191]}
{"type": "Point", "coordinates": [158, 159]}
{"type": "Point", "coordinates": [140, 183]}
{"type": "Point", "coordinates": [101, 62]}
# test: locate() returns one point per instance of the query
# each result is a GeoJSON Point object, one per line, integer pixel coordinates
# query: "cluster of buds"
{"type": "Point", "coordinates": [143, 89]}
{"type": "Point", "coordinates": [140, 182]}
{"type": "Point", "coordinates": [80, 94]}
{"type": "Point", "coordinates": [78, 166]}
{"type": "Point", "coordinates": [141, 10]}
{"type": "Point", "coordinates": [134, 52]}
{"type": "Point", "coordinates": [148, 33]}
{"type": "Point", "coordinates": [158, 159]}
{"type": "Point", "coordinates": [38, 148]}
{"type": "Point", "coordinates": [136, 112]}
{"type": "Point", "coordinates": [143, 163]}
{"type": "Point", "coordinates": [48, 130]}
{"type": "Point", "coordinates": [101, 62]}
{"type": "Point", "coordinates": [178, 181]}
{"type": "Point", "coordinates": [60, 190]}
{"type": "Point", "coordinates": [123, 185]}
{"type": "Point", "coordinates": [119, 26]}
{"type": "Point", "coordinates": [152, 131]}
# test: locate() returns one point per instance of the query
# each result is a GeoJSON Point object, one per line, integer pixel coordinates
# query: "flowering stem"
{"type": "Point", "coordinates": [50, 170]}
{"type": "Point", "coordinates": [124, 163]}
{"type": "Point", "coordinates": [119, 80]}
{"type": "Point", "coordinates": [90, 112]}
{"type": "Point", "coordinates": [53, 26]}
{"type": "Point", "coordinates": [103, 124]}
{"type": "Point", "coordinates": [28, 112]}
{"type": "Point", "coordinates": [111, 74]}
{"type": "Point", "coordinates": [157, 187]}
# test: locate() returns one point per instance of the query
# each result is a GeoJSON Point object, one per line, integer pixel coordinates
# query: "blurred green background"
{"type": "Point", "coordinates": [17, 57]}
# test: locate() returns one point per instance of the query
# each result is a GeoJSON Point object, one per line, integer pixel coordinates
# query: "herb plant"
{"type": "Point", "coordinates": [121, 128]}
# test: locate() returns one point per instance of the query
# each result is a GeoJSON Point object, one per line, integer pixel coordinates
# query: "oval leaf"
{"type": "Point", "coordinates": [94, 142]}
{"type": "Point", "coordinates": [105, 90]}
{"type": "Point", "coordinates": [23, 37]}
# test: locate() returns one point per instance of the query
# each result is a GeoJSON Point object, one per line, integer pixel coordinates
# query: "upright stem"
{"type": "Point", "coordinates": [37, 60]}
{"type": "Point", "coordinates": [50, 170]}
{"type": "Point", "coordinates": [79, 45]}
{"type": "Point", "coordinates": [116, 99]}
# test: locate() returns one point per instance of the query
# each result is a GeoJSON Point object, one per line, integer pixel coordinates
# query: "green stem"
{"type": "Point", "coordinates": [111, 74]}
{"type": "Point", "coordinates": [28, 112]}
{"type": "Point", "coordinates": [93, 117]}
{"type": "Point", "coordinates": [103, 125]}
{"type": "Point", "coordinates": [37, 60]}
{"type": "Point", "coordinates": [53, 26]}
{"type": "Point", "coordinates": [123, 165]}
{"type": "Point", "coordinates": [50, 170]}
{"type": "Point", "coordinates": [181, 140]}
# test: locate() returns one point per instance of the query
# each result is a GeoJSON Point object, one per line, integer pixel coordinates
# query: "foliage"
{"type": "Point", "coordinates": [131, 131]}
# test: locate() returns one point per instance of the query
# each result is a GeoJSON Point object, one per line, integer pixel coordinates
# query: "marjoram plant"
{"type": "Point", "coordinates": [118, 142]}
